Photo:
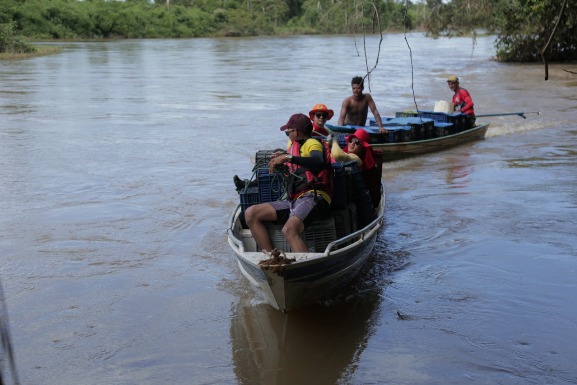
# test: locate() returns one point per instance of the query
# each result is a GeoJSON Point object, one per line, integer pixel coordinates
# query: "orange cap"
{"type": "Point", "coordinates": [321, 108]}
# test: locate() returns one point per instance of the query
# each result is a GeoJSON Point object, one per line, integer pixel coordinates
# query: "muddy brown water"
{"type": "Point", "coordinates": [116, 165]}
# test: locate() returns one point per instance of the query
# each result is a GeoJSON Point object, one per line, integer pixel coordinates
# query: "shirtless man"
{"type": "Point", "coordinates": [356, 107]}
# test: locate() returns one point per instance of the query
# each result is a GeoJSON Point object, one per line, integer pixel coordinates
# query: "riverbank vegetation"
{"type": "Point", "coordinates": [523, 27]}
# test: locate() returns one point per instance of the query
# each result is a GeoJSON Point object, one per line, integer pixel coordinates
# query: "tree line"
{"type": "Point", "coordinates": [522, 26]}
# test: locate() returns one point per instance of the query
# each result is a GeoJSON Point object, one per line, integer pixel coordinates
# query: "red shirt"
{"type": "Point", "coordinates": [462, 99]}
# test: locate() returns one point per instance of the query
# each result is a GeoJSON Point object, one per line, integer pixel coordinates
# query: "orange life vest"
{"type": "Point", "coordinates": [305, 180]}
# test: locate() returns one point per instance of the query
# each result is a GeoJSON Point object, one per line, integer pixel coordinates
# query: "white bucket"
{"type": "Point", "coordinates": [444, 106]}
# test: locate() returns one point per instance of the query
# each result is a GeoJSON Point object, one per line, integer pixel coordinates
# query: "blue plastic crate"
{"type": "Point", "coordinates": [455, 118]}
{"type": "Point", "coordinates": [248, 197]}
{"type": "Point", "coordinates": [270, 187]}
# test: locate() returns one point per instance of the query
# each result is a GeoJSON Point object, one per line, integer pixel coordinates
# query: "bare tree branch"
{"type": "Point", "coordinates": [544, 50]}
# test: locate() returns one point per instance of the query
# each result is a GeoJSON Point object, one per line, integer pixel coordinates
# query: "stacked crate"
{"type": "Point", "coordinates": [248, 197]}
{"type": "Point", "coordinates": [341, 191]}
{"type": "Point", "coordinates": [270, 186]}
{"type": "Point", "coordinates": [411, 127]}
{"type": "Point", "coordinates": [445, 124]}
{"type": "Point", "coordinates": [319, 234]}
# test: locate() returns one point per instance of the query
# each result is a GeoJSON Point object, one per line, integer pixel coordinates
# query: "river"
{"type": "Point", "coordinates": [116, 165]}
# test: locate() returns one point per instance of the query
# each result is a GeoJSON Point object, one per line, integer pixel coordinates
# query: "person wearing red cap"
{"type": "Point", "coordinates": [355, 108]}
{"type": "Point", "coordinates": [309, 193]}
{"type": "Point", "coordinates": [461, 99]}
{"type": "Point", "coordinates": [357, 149]}
{"type": "Point", "coordinates": [360, 151]}
{"type": "Point", "coordinates": [319, 115]}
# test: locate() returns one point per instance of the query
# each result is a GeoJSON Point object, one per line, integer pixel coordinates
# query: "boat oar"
{"type": "Point", "coordinates": [521, 114]}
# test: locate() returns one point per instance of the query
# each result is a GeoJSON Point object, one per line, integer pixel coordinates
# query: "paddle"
{"type": "Point", "coordinates": [521, 114]}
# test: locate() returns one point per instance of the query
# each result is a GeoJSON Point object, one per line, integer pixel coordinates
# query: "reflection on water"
{"type": "Point", "coordinates": [316, 345]}
{"type": "Point", "coordinates": [319, 344]}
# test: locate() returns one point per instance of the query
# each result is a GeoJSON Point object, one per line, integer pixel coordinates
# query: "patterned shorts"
{"type": "Point", "coordinates": [306, 208]}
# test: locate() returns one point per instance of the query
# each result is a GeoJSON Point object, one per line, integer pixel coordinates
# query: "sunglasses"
{"type": "Point", "coordinates": [288, 132]}
{"type": "Point", "coordinates": [321, 115]}
{"type": "Point", "coordinates": [355, 141]}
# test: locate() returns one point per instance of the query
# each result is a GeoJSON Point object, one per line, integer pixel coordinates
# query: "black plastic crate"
{"type": "Point", "coordinates": [398, 134]}
{"type": "Point", "coordinates": [343, 225]}
{"type": "Point", "coordinates": [340, 196]}
{"type": "Point", "coordinates": [319, 234]}
{"type": "Point", "coordinates": [444, 129]}
{"type": "Point", "coordinates": [263, 156]}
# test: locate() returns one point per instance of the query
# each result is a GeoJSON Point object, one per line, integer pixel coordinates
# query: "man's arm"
{"type": "Point", "coordinates": [343, 114]}
{"type": "Point", "coordinates": [376, 114]}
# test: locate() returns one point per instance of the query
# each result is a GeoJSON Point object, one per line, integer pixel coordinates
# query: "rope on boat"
{"type": "Point", "coordinates": [280, 173]}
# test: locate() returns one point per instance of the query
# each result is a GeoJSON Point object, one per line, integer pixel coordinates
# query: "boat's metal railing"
{"type": "Point", "coordinates": [230, 232]}
{"type": "Point", "coordinates": [359, 233]}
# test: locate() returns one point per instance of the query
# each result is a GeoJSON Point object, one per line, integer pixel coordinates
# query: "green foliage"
{"type": "Point", "coordinates": [89, 19]}
{"type": "Point", "coordinates": [525, 26]}
{"type": "Point", "coordinates": [10, 42]}
{"type": "Point", "coordinates": [361, 16]}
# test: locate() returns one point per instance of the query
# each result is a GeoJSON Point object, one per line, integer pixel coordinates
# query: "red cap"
{"type": "Point", "coordinates": [364, 139]}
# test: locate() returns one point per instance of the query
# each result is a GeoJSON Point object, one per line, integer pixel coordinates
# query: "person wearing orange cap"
{"type": "Point", "coordinates": [319, 115]}
{"type": "Point", "coordinates": [461, 98]}
{"type": "Point", "coordinates": [355, 108]}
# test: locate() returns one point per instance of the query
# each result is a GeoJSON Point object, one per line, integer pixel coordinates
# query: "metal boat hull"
{"type": "Point", "coordinates": [312, 276]}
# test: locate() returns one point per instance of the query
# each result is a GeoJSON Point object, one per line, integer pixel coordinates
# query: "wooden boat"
{"type": "Point", "coordinates": [338, 248]}
{"type": "Point", "coordinates": [402, 141]}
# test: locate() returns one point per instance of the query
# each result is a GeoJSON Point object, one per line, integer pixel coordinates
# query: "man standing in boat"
{"type": "Point", "coordinates": [462, 99]}
{"type": "Point", "coordinates": [355, 108]}
{"type": "Point", "coordinates": [310, 191]}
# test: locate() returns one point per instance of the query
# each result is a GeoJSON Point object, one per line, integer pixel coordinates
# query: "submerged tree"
{"type": "Point", "coordinates": [526, 28]}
